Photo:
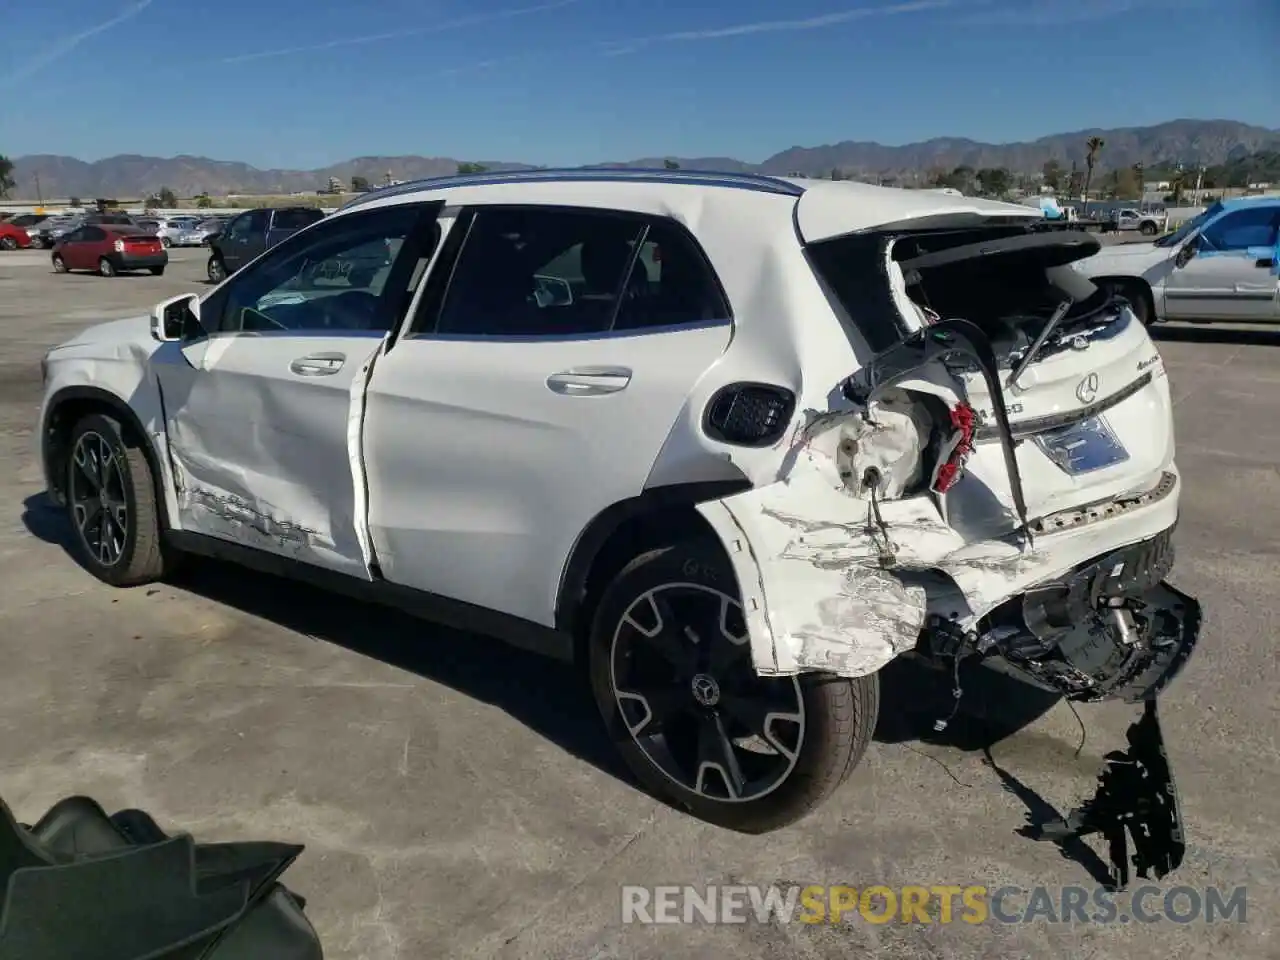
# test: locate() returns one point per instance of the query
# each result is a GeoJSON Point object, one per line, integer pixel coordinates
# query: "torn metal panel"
{"type": "Point", "coordinates": [844, 560]}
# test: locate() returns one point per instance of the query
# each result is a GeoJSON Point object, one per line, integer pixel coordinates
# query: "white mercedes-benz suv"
{"type": "Point", "coordinates": [734, 442]}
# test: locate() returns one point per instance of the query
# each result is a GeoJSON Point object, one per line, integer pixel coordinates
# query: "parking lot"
{"type": "Point", "coordinates": [457, 798]}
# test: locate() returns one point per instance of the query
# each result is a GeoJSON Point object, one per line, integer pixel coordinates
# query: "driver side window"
{"type": "Point", "coordinates": [353, 273]}
{"type": "Point", "coordinates": [1242, 230]}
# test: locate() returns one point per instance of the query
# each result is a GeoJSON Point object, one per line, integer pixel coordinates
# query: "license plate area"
{"type": "Point", "coordinates": [1082, 447]}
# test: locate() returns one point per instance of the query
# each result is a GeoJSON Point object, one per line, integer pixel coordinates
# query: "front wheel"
{"type": "Point", "coordinates": [8, 243]}
{"type": "Point", "coordinates": [672, 674]}
{"type": "Point", "coordinates": [217, 270]}
{"type": "Point", "coordinates": [166, 242]}
{"type": "Point", "coordinates": [106, 268]}
{"type": "Point", "coordinates": [111, 500]}
{"type": "Point", "coordinates": [156, 271]}
{"type": "Point", "coordinates": [59, 265]}
{"type": "Point", "coordinates": [1139, 298]}
{"type": "Point", "coordinates": [1148, 229]}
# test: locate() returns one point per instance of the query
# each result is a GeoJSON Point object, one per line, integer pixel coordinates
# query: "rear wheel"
{"type": "Point", "coordinates": [157, 271]}
{"type": "Point", "coordinates": [166, 242]}
{"type": "Point", "coordinates": [672, 674]}
{"type": "Point", "coordinates": [59, 265]}
{"type": "Point", "coordinates": [106, 268]}
{"type": "Point", "coordinates": [111, 500]}
{"type": "Point", "coordinates": [217, 270]}
{"type": "Point", "coordinates": [1138, 295]}
{"type": "Point", "coordinates": [1148, 228]}
{"type": "Point", "coordinates": [8, 243]}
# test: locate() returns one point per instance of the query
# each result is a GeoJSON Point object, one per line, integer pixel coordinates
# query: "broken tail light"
{"type": "Point", "coordinates": [955, 449]}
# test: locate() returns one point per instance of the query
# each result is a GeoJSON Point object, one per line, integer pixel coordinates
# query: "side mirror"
{"type": "Point", "coordinates": [1187, 251]}
{"type": "Point", "coordinates": [177, 318]}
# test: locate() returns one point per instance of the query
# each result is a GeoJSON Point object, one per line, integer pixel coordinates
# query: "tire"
{"type": "Point", "coordinates": [8, 243]}
{"type": "Point", "coordinates": [166, 242]}
{"type": "Point", "coordinates": [156, 271]}
{"type": "Point", "coordinates": [1138, 296]}
{"type": "Point", "coordinates": [217, 270]}
{"type": "Point", "coordinates": [1148, 229]}
{"type": "Point", "coordinates": [106, 268]}
{"type": "Point", "coordinates": [131, 552]}
{"type": "Point", "coordinates": [59, 265]}
{"type": "Point", "coordinates": [820, 724]}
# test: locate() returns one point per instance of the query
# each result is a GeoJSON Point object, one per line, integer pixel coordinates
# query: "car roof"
{"type": "Point", "coordinates": [820, 209]}
{"type": "Point", "coordinates": [1237, 202]}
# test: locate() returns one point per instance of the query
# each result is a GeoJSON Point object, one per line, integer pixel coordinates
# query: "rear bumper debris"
{"type": "Point", "coordinates": [1136, 799]}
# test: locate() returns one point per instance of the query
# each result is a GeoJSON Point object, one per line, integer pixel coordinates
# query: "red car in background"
{"type": "Point", "coordinates": [108, 249]}
{"type": "Point", "coordinates": [13, 238]}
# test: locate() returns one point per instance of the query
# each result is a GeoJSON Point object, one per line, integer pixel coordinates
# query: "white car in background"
{"type": "Point", "coordinates": [1223, 264]}
{"type": "Point", "coordinates": [718, 436]}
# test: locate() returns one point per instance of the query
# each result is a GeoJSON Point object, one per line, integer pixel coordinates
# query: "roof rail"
{"type": "Point", "coordinates": [760, 183]}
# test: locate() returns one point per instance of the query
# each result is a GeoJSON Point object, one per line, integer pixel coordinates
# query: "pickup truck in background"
{"type": "Point", "coordinates": [252, 233]}
{"type": "Point", "coordinates": [1147, 222]}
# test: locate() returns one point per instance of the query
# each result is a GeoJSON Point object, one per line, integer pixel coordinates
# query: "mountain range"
{"type": "Point", "coordinates": [1192, 142]}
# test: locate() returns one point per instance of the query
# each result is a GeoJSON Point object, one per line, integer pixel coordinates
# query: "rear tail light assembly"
{"type": "Point", "coordinates": [749, 414]}
{"type": "Point", "coordinates": [119, 245]}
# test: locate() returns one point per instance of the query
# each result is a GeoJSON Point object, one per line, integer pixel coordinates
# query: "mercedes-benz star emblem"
{"type": "Point", "coordinates": [705, 690]}
{"type": "Point", "coordinates": [1087, 389]}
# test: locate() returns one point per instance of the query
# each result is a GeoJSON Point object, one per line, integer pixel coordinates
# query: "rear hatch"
{"type": "Point", "coordinates": [140, 244]}
{"type": "Point", "coordinates": [1082, 385]}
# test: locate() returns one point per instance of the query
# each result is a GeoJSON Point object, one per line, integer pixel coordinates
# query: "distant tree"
{"type": "Point", "coordinates": [359, 185]}
{"type": "Point", "coordinates": [1126, 185]}
{"type": "Point", "coordinates": [670, 164]}
{"type": "Point", "coordinates": [75, 201]}
{"type": "Point", "coordinates": [1052, 174]}
{"type": "Point", "coordinates": [168, 199]}
{"type": "Point", "coordinates": [203, 202]}
{"type": "Point", "coordinates": [1075, 184]}
{"type": "Point", "coordinates": [1093, 145]}
{"type": "Point", "coordinates": [937, 177]}
{"type": "Point", "coordinates": [465, 168]}
{"type": "Point", "coordinates": [836, 174]}
{"type": "Point", "coordinates": [961, 178]}
{"type": "Point", "coordinates": [995, 181]}
{"type": "Point", "coordinates": [7, 182]}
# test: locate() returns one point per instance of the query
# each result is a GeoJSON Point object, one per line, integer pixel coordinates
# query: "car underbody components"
{"type": "Point", "coordinates": [1111, 629]}
{"type": "Point", "coordinates": [1136, 795]}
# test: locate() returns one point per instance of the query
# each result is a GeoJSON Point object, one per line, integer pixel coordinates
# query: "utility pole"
{"type": "Point", "coordinates": [39, 195]}
{"type": "Point", "coordinates": [1199, 181]}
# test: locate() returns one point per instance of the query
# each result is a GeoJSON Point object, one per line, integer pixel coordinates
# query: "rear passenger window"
{"type": "Point", "coordinates": [530, 272]}
{"type": "Point", "coordinates": [555, 272]}
{"type": "Point", "coordinates": [296, 219]}
{"type": "Point", "coordinates": [671, 284]}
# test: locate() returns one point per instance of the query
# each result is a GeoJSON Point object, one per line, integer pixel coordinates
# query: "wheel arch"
{"type": "Point", "coordinates": [64, 410]}
{"type": "Point", "coordinates": [622, 531]}
{"type": "Point", "coordinates": [1141, 284]}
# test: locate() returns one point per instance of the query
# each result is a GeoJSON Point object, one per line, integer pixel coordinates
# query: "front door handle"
{"type": "Point", "coordinates": [589, 381]}
{"type": "Point", "coordinates": [318, 364]}
{"type": "Point", "coordinates": [1266, 263]}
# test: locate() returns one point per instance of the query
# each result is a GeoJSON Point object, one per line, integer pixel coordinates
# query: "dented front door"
{"type": "Point", "coordinates": [263, 413]}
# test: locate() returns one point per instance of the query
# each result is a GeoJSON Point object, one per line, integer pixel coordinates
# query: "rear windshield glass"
{"type": "Point", "coordinates": [296, 219]}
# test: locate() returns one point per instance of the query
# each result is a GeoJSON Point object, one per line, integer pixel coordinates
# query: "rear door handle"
{"type": "Point", "coordinates": [589, 381]}
{"type": "Point", "coordinates": [1266, 263]}
{"type": "Point", "coordinates": [318, 364]}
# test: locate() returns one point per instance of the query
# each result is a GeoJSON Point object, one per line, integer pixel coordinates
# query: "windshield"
{"type": "Point", "coordinates": [1195, 223]}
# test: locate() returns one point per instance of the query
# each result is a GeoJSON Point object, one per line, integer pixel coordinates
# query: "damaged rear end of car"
{"type": "Point", "coordinates": [996, 481]}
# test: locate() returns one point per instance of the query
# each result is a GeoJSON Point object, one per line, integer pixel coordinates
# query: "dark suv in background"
{"type": "Point", "coordinates": [252, 233]}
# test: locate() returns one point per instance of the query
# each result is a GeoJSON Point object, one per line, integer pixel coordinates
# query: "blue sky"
{"type": "Point", "coordinates": [305, 83]}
